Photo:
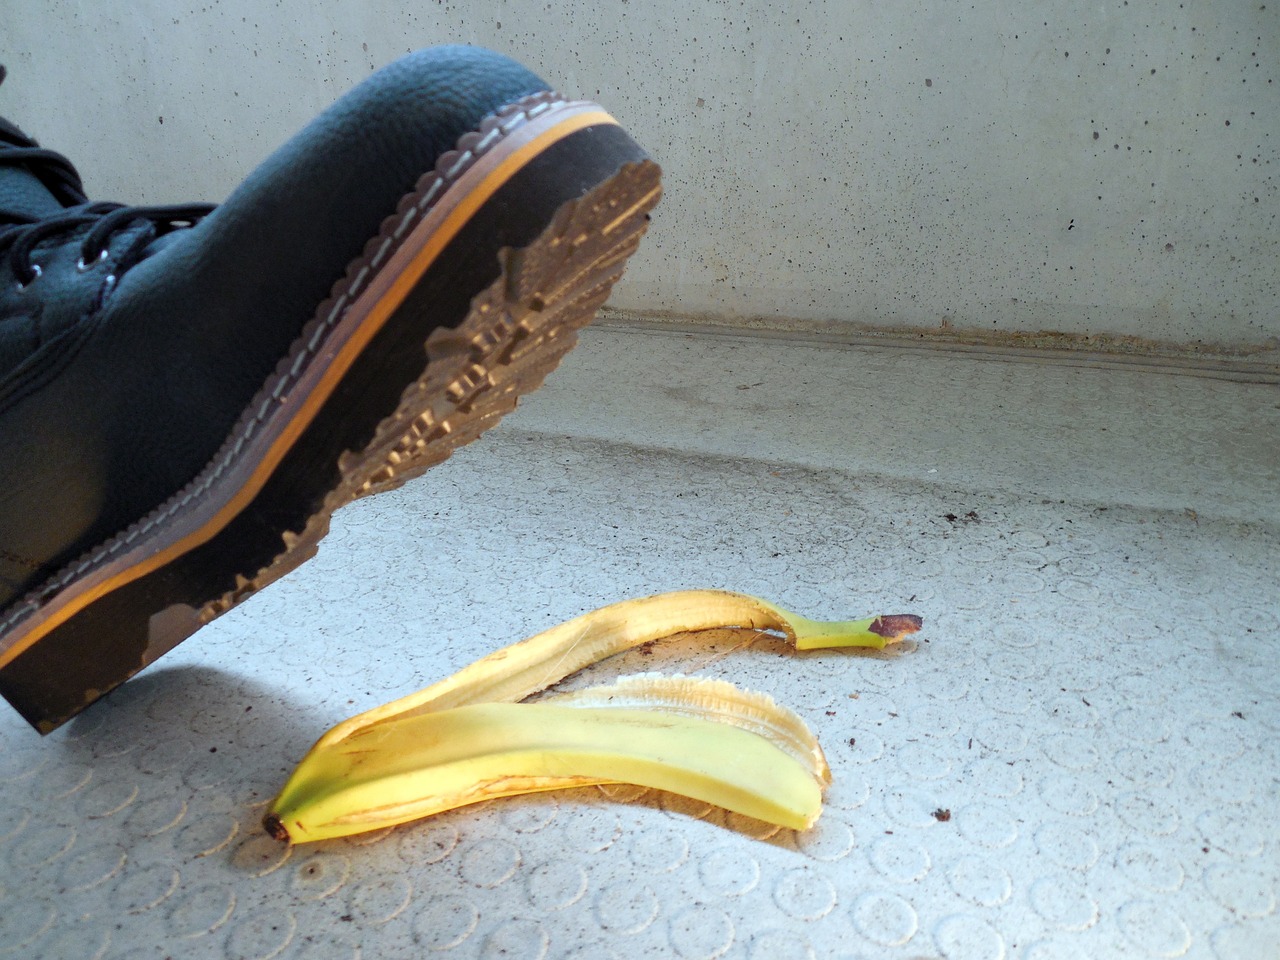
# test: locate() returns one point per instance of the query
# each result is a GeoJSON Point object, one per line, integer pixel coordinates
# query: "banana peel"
{"type": "Point", "coordinates": [467, 739]}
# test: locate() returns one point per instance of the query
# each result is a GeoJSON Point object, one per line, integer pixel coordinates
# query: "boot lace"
{"type": "Point", "coordinates": [20, 232]}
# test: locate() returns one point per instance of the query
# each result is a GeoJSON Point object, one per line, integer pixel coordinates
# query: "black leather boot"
{"type": "Point", "coordinates": [188, 393]}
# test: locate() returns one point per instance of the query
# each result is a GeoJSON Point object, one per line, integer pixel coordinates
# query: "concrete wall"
{"type": "Point", "coordinates": [1096, 169]}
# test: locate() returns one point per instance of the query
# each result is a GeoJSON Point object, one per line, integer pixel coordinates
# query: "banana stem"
{"type": "Point", "coordinates": [873, 632]}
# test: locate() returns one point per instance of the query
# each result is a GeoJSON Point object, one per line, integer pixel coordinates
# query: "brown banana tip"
{"type": "Point", "coordinates": [275, 826]}
{"type": "Point", "coordinates": [895, 626]}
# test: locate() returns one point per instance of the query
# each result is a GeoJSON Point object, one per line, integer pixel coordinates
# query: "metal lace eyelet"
{"type": "Point", "coordinates": [35, 273]}
{"type": "Point", "coordinates": [85, 267]}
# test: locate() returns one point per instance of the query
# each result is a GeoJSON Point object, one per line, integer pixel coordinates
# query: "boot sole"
{"type": "Point", "coordinates": [538, 211]}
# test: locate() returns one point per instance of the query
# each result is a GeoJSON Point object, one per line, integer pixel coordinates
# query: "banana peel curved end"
{"type": "Point", "coordinates": [275, 827]}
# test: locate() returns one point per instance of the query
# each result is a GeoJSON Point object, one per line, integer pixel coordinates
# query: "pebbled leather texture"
{"type": "Point", "coordinates": [131, 396]}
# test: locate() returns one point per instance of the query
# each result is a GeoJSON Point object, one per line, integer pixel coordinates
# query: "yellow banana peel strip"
{"type": "Point", "coordinates": [532, 665]}
{"type": "Point", "coordinates": [707, 699]}
{"type": "Point", "coordinates": [438, 761]}
{"type": "Point", "coordinates": [462, 739]}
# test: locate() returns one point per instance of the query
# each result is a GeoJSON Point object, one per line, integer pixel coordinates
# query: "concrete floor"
{"type": "Point", "coordinates": [1095, 697]}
